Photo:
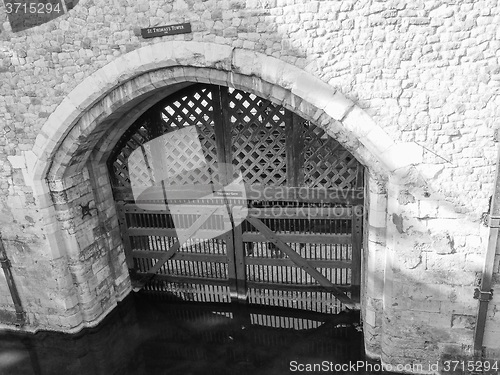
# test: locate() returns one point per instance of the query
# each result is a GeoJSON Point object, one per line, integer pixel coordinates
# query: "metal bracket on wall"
{"type": "Point", "coordinates": [483, 296]}
{"type": "Point", "coordinates": [86, 210]}
{"type": "Point", "coordinates": [4, 262]}
{"type": "Point", "coordinates": [20, 318]}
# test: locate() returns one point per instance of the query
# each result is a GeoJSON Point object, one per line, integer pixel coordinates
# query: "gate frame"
{"type": "Point", "coordinates": [293, 145]}
{"type": "Point", "coordinates": [83, 129]}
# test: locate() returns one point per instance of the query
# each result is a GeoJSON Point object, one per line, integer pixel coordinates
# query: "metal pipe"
{"type": "Point", "coordinates": [484, 293]}
{"type": "Point", "coordinates": [6, 266]}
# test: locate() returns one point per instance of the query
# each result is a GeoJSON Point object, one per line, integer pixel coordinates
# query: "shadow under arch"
{"type": "Point", "coordinates": [87, 124]}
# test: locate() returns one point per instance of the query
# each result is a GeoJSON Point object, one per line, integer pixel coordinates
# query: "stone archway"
{"type": "Point", "coordinates": [70, 181]}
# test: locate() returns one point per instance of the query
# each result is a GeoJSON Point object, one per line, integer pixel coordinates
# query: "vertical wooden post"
{"type": "Point", "coordinates": [356, 231]}
{"type": "Point", "coordinates": [223, 137]}
{"type": "Point", "coordinates": [222, 129]}
{"type": "Point", "coordinates": [240, 264]}
{"type": "Point", "coordinates": [294, 133]}
{"type": "Point", "coordinates": [231, 267]}
{"type": "Point", "coordinates": [122, 221]}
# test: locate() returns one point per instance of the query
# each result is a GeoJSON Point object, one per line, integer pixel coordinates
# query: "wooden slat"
{"type": "Point", "coordinates": [202, 234]}
{"type": "Point", "coordinates": [231, 266]}
{"type": "Point", "coordinates": [327, 284]}
{"type": "Point", "coordinates": [360, 177]}
{"type": "Point", "coordinates": [253, 192]}
{"type": "Point", "coordinates": [239, 260]}
{"type": "Point", "coordinates": [304, 194]}
{"type": "Point", "coordinates": [300, 238]}
{"type": "Point", "coordinates": [224, 135]}
{"type": "Point", "coordinates": [185, 279]}
{"type": "Point", "coordinates": [144, 208]}
{"type": "Point", "coordinates": [357, 220]}
{"type": "Point", "coordinates": [194, 257]}
{"type": "Point", "coordinates": [289, 263]}
{"type": "Point", "coordinates": [125, 235]}
{"type": "Point", "coordinates": [295, 287]}
{"type": "Point", "coordinates": [168, 254]}
{"type": "Point", "coordinates": [298, 150]}
{"type": "Point", "coordinates": [279, 212]}
{"type": "Point", "coordinates": [290, 139]}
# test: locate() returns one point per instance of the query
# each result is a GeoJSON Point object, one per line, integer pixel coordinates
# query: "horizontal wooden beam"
{"type": "Point", "coordinates": [187, 279]}
{"type": "Point", "coordinates": [251, 192]}
{"type": "Point", "coordinates": [293, 213]}
{"type": "Point", "coordinates": [294, 287]}
{"type": "Point", "coordinates": [300, 238]}
{"type": "Point", "coordinates": [190, 257]}
{"type": "Point", "coordinates": [288, 263]}
{"type": "Point", "coordinates": [173, 209]}
{"type": "Point", "coordinates": [202, 234]}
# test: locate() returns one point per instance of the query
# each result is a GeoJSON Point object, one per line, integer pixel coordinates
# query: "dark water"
{"type": "Point", "coordinates": [149, 336]}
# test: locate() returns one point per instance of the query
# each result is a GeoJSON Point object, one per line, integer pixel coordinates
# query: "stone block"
{"type": "Point", "coordinates": [54, 321]}
{"type": "Point", "coordinates": [119, 71]}
{"type": "Point", "coordinates": [218, 56]}
{"type": "Point", "coordinates": [370, 317]}
{"type": "Point", "coordinates": [356, 120]}
{"type": "Point", "coordinates": [218, 77]}
{"type": "Point", "coordinates": [378, 141]}
{"type": "Point", "coordinates": [55, 241]}
{"type": "Point", "coordinates": [71, 321]}
{"type": "Point", "coordinates": [464, 336]}
{"type": "Point", "coordinates": [463, 321]}
{"type": "Point", "coordinates": [163, 78]}
{"type": "Point", "coordinates": [92, 313]}
{"type": "Point", "coordinates": [442, 244]}
{"type": "Point", "coordinates": [250, 63]}
{"type": "Point", "coordinates": [447, 210]}
{"type": "Point", "coordinates": [103, 274]}
{"type": "Point", "coordinates": [474, 263]}
{"type": "Point", "coordinates": [338, 107]}
{"type": "Point", "coordinates": [402, 155]}
{"type": "Point", "coordinates": [316, 92]}
{"type": "Point", "coordinates": [428, 208]}
{"type": "Point", "coordinates": [58, 124]}
{"type": "Point", "coordinates": [376, 218]}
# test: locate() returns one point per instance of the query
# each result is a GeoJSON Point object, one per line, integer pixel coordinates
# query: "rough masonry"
{"type": "Point", "coordinates": [410, 88]}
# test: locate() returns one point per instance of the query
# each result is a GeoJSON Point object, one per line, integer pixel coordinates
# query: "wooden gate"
{"type": "Point", "coordinates": [300, 243]}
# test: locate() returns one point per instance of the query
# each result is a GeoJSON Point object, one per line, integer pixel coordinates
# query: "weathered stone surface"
{"type": "Point", "coordinates": [414, 92]}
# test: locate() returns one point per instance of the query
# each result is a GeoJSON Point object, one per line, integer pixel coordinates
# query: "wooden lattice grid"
{"type": "Point", "coordinates": [258, 142]}
{"type": "Point", "coordinates": [326, 163]}
{"type": "Point", "coordinates": [120, 166]}
{"type": "Point", "coordinates": [183, 158]}
{"type": "Point", "coordinates": [191, 110]}
{"type": "Point", "coordinates": [196, 108]}
{"type": "Point", "coordinates": [258, 139]}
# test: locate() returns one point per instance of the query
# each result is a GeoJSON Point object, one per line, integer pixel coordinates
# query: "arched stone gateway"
{"type": "Point", "coordinates": [281, 203]}
{"type": "Point", "coordinates": [72, 186]}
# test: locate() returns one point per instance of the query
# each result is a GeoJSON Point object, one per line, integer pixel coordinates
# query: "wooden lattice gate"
{"type": "Point", "coordinates": [298, 243]}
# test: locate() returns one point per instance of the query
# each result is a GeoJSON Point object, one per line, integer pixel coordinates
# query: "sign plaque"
{"type": "Point", "coordinates": [180, 28]}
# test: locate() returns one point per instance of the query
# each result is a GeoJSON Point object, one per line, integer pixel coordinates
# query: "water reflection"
{"type": "Point", "coordinates": [146, 335]}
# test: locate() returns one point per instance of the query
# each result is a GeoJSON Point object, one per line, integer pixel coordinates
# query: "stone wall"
{"type": "Point", "coordinates": [427, 74]}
